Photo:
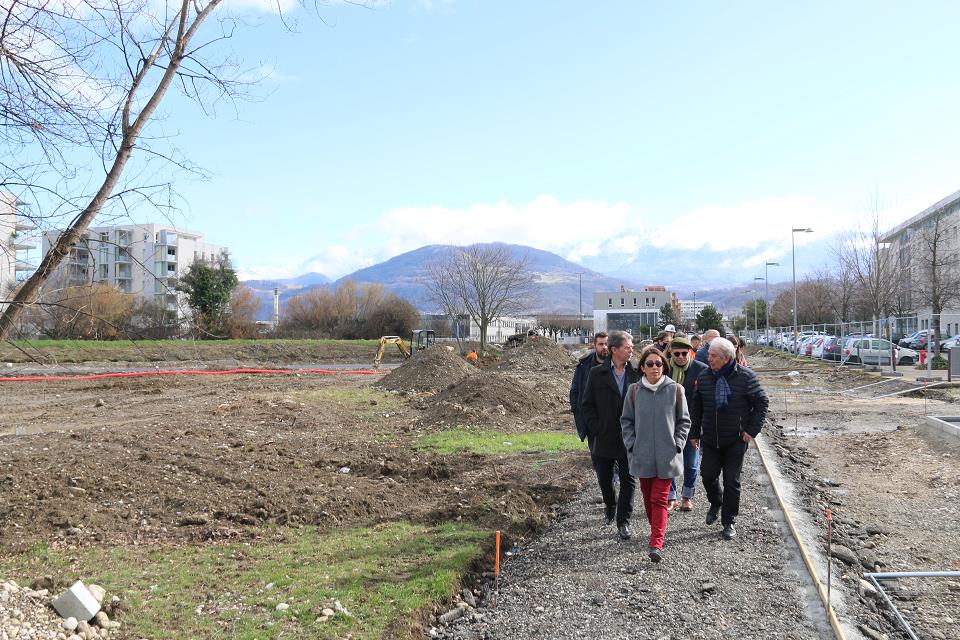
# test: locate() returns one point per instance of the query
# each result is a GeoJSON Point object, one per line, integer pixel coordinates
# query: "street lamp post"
{"type": "Point", "coordinates": [766, 299]}
{"type": "Point", "coordinates": [580, 317]}
{"type": "Point", "coordinates": [756, 323]}
{"type": "Point", "coordinates": [793, 259]}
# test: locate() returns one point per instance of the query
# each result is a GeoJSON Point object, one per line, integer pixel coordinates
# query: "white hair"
{"type": "Point", "coordinates": [724, 347]}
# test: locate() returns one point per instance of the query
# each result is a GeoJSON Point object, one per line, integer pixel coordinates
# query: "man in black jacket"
{"type": "Point", "coordinates": [579, 385]}
{"type": "Point", "coordinates": [601, 409]}
{"type": "Point", "coordinates": [727, 412]}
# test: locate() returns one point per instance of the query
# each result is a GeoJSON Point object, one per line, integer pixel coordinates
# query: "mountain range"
{"type": "Point", "coordinates": [561, 282]}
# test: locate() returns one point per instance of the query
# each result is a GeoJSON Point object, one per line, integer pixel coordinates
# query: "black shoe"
{"type": "Point", "coordinates": [712, 514]}
{"type": "Point", "coordinates": [624, 532]}
{"type": "Point", "coordinates": [729, 532]}
{"type": "Point", "coordinates": [611, 513]}
{"type": "Point", "coordinates": [655, 555]}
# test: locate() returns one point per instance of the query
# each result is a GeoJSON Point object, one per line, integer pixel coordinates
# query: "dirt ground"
{"type": "Point", "coordinates": [185, 459]}
{"type": "Point", "coordinates": [894, 490]}
{"type": "Point", "coordinates": [261, 352]}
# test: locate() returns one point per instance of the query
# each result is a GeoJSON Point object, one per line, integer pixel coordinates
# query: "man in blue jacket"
{"type": "Point", "coordinates": [726, 412]}
{"type": "Point", "coordinates": [702, 352]}
{"type": "Point", "coordinates": [580, 375]}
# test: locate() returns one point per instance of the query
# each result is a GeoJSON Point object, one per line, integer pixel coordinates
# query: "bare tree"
{"type": "Point", "coordinates": [486, 280]}
{"type": "Point", "coordinates": [870, 264]}
{"type": "Point", "coordinates": [79, 84]}
{"type": "Point", "coordinates": [840, 288]}
{"type": "Point", "coordinates": [938, 265]}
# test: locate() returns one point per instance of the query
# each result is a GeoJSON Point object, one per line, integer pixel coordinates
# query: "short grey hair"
{"type": "Point", "coordinates": [723, 347]}
{"type": "Point", "coordinates": [710, 334]}
{"type": "Point", "coordinates": [616, 339]}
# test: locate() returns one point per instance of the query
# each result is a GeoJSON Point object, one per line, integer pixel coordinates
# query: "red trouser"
{"type": "Point", "coordinates": [655, 492]}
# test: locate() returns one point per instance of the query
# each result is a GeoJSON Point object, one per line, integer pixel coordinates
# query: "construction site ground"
{"type": "Point", "coordinates": [206, 502]}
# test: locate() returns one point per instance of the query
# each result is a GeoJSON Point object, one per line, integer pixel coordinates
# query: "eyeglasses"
{"type": "Point", "coordinates": [677, 354]}
{"type": "Point", "coordinates": [653, 363]}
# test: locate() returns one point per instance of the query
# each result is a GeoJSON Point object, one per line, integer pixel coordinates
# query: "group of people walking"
{"type": "Point", "coordinates": [688, 406]}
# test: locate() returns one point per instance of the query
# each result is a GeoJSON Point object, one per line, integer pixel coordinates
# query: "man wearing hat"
{"type": "Point", "coordinates": [663, 339]}
{"type": "Point", "coordinates": [684, 371]}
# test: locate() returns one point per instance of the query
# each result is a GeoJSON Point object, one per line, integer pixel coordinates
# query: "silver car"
{"type": "Point", "coordinates": [876, 351]}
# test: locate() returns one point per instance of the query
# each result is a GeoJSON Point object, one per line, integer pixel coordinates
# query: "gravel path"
{"type": "Point", "coordinates": [579, 580]}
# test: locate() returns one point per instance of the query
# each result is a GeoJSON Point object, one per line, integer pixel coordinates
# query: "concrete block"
{"type": "Point", "coordinates": [76, 602]}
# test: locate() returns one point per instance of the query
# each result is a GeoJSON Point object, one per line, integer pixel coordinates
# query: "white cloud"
{"type": "Point", "coordinates": [616, 232]}
{"type": "Point", "coordinates": [752, 224]}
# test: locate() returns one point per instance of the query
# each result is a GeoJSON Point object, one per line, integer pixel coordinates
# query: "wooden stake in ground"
{"type": "Point", "coordinates": [829, 551]}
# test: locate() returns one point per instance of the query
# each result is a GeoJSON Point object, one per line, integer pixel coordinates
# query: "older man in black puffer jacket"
{"type": "Point", "coordinates": [726, 412]}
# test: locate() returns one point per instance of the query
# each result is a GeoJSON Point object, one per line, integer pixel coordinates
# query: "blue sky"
{"type": "Point", "coordinates": [605, 132]}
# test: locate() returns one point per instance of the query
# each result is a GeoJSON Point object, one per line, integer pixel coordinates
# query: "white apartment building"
{"type": "Point", "coordinates": [502, 327]}
{"type": "Point", "coordinates": [142, 259]}
{"type": "Point", "coordinates": [909, 244]}
{"type": "Point", "coordinates": [13, 243]}
{"type": "Point", "coordinates": [628, 310]}
{"type": "Point", "coordinates": [690, 309]}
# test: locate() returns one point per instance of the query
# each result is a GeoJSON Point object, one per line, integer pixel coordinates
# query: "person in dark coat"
{"type": "Point", "coordinates": [702, 352]}
{"type": "Point", "coordinates": [580, 375]}
{"type": "Point", "coordinates": [601, 408]}
{"type": "Point", "coordinates": [727, 412]}
{"type": "Point", "coordinates": [684, 370]}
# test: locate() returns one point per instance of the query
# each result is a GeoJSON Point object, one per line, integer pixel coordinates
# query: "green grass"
{"type": "Point", "coordinates": [496, 442]}
{"type": "Point", "coordinates": [123, 344]}
{"type": "Point", "coordinates": [381, 575]}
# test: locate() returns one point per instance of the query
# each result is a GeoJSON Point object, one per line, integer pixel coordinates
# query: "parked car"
{"type": "Point", "coordinates": [826, 348]}
{"type": "Point", "coordinates": [950, 343]}
{"type": "Point", "coordinates": [918, 341]}
{"type": "Point", "coordinates": [876, 351]}
{"type": "Point", "coordinates": [906, 340]}
{"type": "Point", "coordinates": [802, 338]}
{"type": "Point", "coordinates": [809, 344]}
{"type": "Point", "coordinates": [832, 349]}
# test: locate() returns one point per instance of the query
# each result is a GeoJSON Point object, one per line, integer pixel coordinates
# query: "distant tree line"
{"type": "Point", "coordinates": [348, 312]}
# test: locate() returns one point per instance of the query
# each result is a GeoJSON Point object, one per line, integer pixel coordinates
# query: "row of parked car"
{"type": "Point", "coordinates": [854, 349]}
{"type": "Point", "coordinates": [920, 340]}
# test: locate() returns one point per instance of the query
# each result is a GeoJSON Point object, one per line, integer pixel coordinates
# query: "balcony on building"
{"type": "Point", "coordinates": [123, 255]}
{"type": "Point", "coordinates": [21, 265]}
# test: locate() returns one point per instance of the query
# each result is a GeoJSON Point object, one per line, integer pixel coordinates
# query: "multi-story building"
{"type": "Point", "coordinates": [906, 251]}
{"type": "Point", "coordinates": [142, 259]}
{"type": "Point", "coordinates": [13, 243]}
{"type": "Point", "coordinates": [630, 310]}
{"type": "Point", "coordinates": [690, 309]}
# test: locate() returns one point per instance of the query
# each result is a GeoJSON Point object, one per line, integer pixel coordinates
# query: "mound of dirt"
{"type": "Point", "coordinates": [495, 399]}
{"type": "Point", "coordinates": [428, 370]}
{"type": "Point", "coordinates": [537, 354]}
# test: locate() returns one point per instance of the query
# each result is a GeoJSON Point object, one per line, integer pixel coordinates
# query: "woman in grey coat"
{"type": "Point", "coordinates": [655, 422]}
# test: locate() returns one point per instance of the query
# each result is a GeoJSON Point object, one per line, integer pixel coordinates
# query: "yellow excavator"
{"type": "Point", "coordinates": [421, 339]}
